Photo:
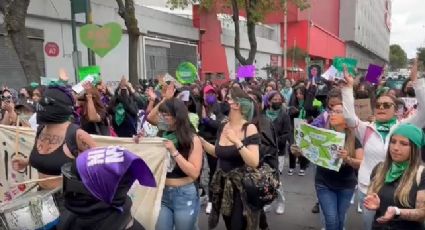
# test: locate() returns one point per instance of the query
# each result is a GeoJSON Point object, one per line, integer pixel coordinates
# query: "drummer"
{"type": "Point", "coordinates": [57, 141]}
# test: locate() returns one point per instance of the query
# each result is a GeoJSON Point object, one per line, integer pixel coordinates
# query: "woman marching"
{"type": "Point", "coordinates": [180, 201]}
{"type": "Point", "coordinates": [237, 146]}
{"type": "Point", "coordinates": [375, 136]}
{"type": "Point", "coordinates": [57, 141]}
{"type": "Point", "coordinates": [397, 190]}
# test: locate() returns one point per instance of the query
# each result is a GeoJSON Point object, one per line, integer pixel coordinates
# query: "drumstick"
{"type": "Point", "coordinates": [37, 180]}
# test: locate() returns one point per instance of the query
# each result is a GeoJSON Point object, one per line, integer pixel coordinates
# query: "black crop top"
{"type": "Point", "coordinates": [177, 172]}
{"type": "Point", "coordinates": [229, 157]}
{"type": "Point", "coordinates": [50, 164]}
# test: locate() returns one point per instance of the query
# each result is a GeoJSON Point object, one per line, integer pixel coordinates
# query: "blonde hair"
{"type": "Point", "coordinates": [403, 189]}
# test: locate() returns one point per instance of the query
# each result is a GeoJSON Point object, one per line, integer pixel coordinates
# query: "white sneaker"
{"type": "Point", "coordinates": [301, 172]}
{"type": "Point", "coordinates": [267, 208]}
{"type": "Point", "coordinates": [291, 172]}
{"type": "Point", "coordinates": [359, 208]}
{"type": "Point", "coordinates": [209, 207]}
{"type": "Point", "coordinates": [280, 209]}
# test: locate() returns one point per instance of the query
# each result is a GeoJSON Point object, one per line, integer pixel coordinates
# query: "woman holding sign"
{"type": "Point", "coordinates": [375, 136]}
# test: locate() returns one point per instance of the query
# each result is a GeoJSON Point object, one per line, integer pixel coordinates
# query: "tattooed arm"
{"type": "Point", "coordinates": [417, 214]}
{"type": "Point", "coordinates": [84, 141]}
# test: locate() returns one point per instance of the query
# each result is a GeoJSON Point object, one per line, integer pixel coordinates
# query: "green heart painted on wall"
{"type": "Point", "coordinates": [101, 39]}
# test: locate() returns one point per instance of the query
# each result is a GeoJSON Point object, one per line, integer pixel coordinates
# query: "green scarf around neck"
{"type": "Point", "coordinates": [119, 114]}
{"type": "Point", "coordinates": [302, 113]}
{"type": "Point", "coordinates": [396, 171]}
{"type": "Point", "coordinates": [272, 114]}
{"type": "Point", "coordinates": [171, 136]}
{"type": "Point", "coordinates": [384, 127]}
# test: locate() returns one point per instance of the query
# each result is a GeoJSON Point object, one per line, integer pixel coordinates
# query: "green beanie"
{"type": "Point", "coordinates": [411, 132]}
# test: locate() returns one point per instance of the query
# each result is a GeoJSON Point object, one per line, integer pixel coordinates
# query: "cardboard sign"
{"type": "Point", "coordinates": [363, 109]}
{"type": "Point", "coordinates": [374, 73]}
{"type": "Point", "coordinates": [247, 71]}
{"type": "Point", "coordinates": [186, 73]}
{"type": "Point", "coordinates": [101, 39]}
{"type": "Point", "coordinates": [330, 74]}
{"type": "Point", "coordinates": [350, 63]}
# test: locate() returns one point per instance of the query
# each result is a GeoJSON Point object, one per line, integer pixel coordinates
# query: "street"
{"type": "Point", "coordinates": [300, 198]}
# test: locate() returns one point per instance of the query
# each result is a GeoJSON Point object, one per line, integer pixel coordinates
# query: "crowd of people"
{"type": "Point", "coordinates": [231, 129]}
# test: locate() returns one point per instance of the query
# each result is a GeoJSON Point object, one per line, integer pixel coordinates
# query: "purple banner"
{"type": "Point", "coordinates": [247, 71]}
{"type": "Point", "coordinates": [374, 73]}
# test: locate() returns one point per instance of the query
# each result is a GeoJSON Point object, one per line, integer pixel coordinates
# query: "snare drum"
{"type": "Point", "coordinates": [34, 210]}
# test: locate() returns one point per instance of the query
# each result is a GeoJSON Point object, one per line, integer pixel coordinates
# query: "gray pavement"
{"type": "Point", "coordinates": [300, 198]}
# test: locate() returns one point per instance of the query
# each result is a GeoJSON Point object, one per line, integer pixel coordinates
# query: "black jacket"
{"type": "Point", "coordinates": [269, 143]}
{"type": "Point", "coordinates": [208, 127]}
{"type": "Point", "coordinates": [282, 126]}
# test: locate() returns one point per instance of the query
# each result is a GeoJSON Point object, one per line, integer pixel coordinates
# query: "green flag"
{"type": "Point", "coordinates": [351, 64]}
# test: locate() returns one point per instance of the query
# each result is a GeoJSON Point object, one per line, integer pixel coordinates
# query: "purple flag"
{"type": "Point", "coordinates": [373, 73]}
{"type": "Point", "coordinates": [101, 170]}
{"type": "Point", "coordinates": [247, 71]}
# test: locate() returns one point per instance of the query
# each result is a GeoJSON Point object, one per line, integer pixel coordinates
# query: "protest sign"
{"type": "Point", "coordinates": [86, 71]}
{"type": "Point", "coordinates": [350, 63]}
{"type": "Point", "coordinates": [363, 109]}
{"type": "Point", "coordinates": [409, 102]}
{"type": "Point", "coordinates": [320, 146]}
{"type": "Point", "coordinates": [186, 73]}
{"type": "Point", "coordinates": [101, 39]}
{"type": "Point", "coordinates": [146, 201]}
{"type": "Point", "coordinates": [330, 74]}
{"type": "Point", "coordinates": [374, 73]}
{"type": "Point", "coordinates": [247, 71]}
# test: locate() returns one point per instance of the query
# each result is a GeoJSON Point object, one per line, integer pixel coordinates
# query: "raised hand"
{"type": "Point", "coordinates": [414, 71]}
{"type": "Point", "coordinates": [348, 78]}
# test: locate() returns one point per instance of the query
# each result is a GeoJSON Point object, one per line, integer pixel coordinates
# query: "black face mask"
{"type": "Point", "coordinates": [276, 105]}
{"type": "Point", "coordinates": [410, 91]}
{"type": "Point", "coordinates": [362, 95]}
{"type": "Point", "coordinates": [53, 113]}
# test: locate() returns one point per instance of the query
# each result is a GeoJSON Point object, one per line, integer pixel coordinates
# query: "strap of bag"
{"type": "Point", "coordinates": [419, 174]}
{"type": "Point", "coordinates": [71, 139]}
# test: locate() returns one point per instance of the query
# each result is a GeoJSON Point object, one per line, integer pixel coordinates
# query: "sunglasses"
{"type": "Point", "coordinates": [6, 98]}
{"type": "Point", "coordinates": [384, 105]}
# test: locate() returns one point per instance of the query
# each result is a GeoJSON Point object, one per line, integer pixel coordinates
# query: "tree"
{"type": "Point", "coordinates": [127, 12]}
{"type": "Point", "coordinates": [15, 12]}
{"type": "Point", "coordinates": [296, 54]}
{"type": "Point", "coordinates": [255, 11]}
{"type": "Point", "coordinates": [421, 57]}
{"type": "Point", "coordinates": [398, 57]}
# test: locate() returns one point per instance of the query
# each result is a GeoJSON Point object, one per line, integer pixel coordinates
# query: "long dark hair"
{"type": "Point", "coordinates": [183, 129]}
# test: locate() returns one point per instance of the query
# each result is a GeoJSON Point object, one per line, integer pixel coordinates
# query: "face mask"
{"type": "Point", "coordinates": [276, 105]}
{"type": "Point", "coordinates": [53, 113]}
{"type": "Point", "coordinates": [162, 124]}
{"type": "Point", "coordinates": [211, 99]}
{"type": "Point", "coordinates": [410, 92]}
{"type": "Point", "coordinates": [24, 117]}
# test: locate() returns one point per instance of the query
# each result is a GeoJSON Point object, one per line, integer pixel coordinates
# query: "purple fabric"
{"type": "Point", "coordinates": [247, 71]}
{"type": "Point", "coordinates": [373, 73]}
{"type": "Point", "coordinates": [101, 170]}
{"type": "Point", "coordinates": [321, 120]}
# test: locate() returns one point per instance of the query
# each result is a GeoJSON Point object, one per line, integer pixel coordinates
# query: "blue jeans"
{"type": "Point", "coordinates": [179, 208]}
{"type": "Point", "coordinates": [368, 216]}
{"type": "Point", "coordinates": [334, 203]}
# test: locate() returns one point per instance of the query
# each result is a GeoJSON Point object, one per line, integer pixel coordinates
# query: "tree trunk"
{"type": "Point", "coordinates": [14, 19]}
{"type": "Point", "coordinates": [251, 34]}
{"type": "Point", "coordinates": [127, 12]}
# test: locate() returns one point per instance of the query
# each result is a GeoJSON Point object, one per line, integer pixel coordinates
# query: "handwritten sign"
{"type": "Point", "coordinates": [363, 109]}
{"type": "Point", "coordinates": [101, 39]}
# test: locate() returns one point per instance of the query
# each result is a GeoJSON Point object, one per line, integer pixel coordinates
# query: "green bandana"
{"type": "Point", "coordinates": [411, 132]}
{"type": "Point", "coordinates": [119, 114]}
{"type": "Point", "coordinates": [171, 136]}
{"type": "Point", "coordinates": [396, 171]}
{"type": "Point", "coordinates": [194, 120]}
{"type": "Point", "coordinates": [272, 114]}
{"type": "Point", "coordinates": [384, 127]}
{"type": "Point", "coordinates": [302, 113]}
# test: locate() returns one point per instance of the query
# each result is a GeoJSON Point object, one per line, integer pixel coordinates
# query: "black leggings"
{"type": "Point", "coordinates": [236, 221]}
{"type": "Point", "coordinates": [263, 220]}
{"type": "Point", "coordinates": [212, 164]}
{"type": "Point", "coordinates": [293, 161]}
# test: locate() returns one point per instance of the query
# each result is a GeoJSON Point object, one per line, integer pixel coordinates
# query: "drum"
{"type": "Point", "coordinates": [34, 210]}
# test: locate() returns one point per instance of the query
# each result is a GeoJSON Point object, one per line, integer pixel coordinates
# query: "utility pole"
{"type": "Point", "coordinates": [89, 20]}
{"type": "Point", "coordinates": [75, 53]}
{"type": "Point", "coordinates": [308, 41]}
{"type": "Point", "coordinates": [285, 40]}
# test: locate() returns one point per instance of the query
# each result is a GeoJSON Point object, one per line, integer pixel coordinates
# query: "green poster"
{"type": "Point", "coordinates": [186, 73]}
{"type": "Point", "coordinates": [351, 64]}
{"type": "Point", "coordinates": [101, 39]}
{"type": "Point", "coordinates": [320, 146]}
{"type": "Point", "coordinates": [86, 71]}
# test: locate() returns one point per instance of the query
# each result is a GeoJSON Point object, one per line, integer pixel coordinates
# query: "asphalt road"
{"type": "Point", "coordinates": [300, 198]}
